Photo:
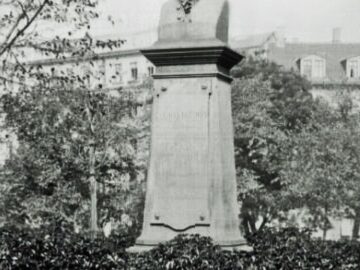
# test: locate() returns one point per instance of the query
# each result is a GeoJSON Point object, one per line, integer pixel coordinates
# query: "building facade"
{"type": "Point", "coordinates": [320, 63]}
{"type": "Point", "coordinates": [328, 66]}
{"type": "Point", "coordinates": [108, 71]}
{"type": "Point", "coordinates": [116, 69]}
{"type": "Point", "coordinates": [258, 45]}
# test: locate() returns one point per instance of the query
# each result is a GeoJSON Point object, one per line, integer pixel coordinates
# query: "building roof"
{"type": "Point", "coordinates": [253, 41]}
{"type": "Point", "coordinates": [333, 53]}
{"type": "Point", "coordinates": [75, 59]}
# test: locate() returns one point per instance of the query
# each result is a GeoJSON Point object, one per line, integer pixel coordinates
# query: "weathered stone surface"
{"type": "Point", "coordinates": [208, 20]}
{"type": "Point", "coordinates": [191, 184]}
{"type": "Point", "coordinates": [191, 178]}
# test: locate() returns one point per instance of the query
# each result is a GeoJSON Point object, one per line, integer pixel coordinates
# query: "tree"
{"type": "Point", "coordinates": [349, 116]}
{"type": "Point", "coordinates": [256, 136]}
{"type": "Point", "coordinates": [314, 169]}
{"type": "Point", "coordinates": [291, 100]}
{"type": "Point", "coordinates": [323, 168]}
{"type": "Point", "coordinates": [22, 35]}
{"type": "Point", "coordinates": [70, 140]}
{"type": "Point", "coordinates": [270, 107]}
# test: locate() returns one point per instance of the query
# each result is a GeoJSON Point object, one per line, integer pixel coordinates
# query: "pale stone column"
{"type": "Point", "coordinates": [191, 185]}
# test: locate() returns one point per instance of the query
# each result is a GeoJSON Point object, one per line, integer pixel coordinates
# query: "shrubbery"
{"type": "Point", "coordinates": [190, 252]}
{"type": "Point", "coordinates": [59, 251]}
{"type": "Point", "coordinates": [286, 249]}
{"type": "Point", "coordinates": [294, 249]}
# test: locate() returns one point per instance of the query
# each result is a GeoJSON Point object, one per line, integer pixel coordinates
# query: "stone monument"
{"type": "Point", "coordinates": [191, 185]}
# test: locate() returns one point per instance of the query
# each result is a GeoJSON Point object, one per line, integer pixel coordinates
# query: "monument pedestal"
{"type": "Point", "coordinates": [191, 184]}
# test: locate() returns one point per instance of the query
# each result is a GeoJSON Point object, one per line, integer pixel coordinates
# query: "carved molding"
{"type": "Point", "coordinates": [222, 56]}
{"type": "Point", "coordinates": [218, 75]}
{"type": "Point", "coordinates": [183, 229]}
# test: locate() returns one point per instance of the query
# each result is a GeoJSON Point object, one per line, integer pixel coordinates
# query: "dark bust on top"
{"type": "Point", "coordinates": [187, 5]}
{"type": "Point", "coordinates": [185, 23]}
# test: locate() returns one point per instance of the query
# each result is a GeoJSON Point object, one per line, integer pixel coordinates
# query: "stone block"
{"type": "Point", "coordinates": [208, 21]}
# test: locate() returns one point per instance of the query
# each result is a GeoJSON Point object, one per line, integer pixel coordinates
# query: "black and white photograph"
{"type": "Point", "coordinates": [179, 134]}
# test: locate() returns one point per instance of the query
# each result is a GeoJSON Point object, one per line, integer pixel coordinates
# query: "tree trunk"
{"type": "Point", "coordinates": [249, 223]}
{"type": "Point", "coordinates": [11, 149]}
{"type": "Point", "coordinates": [245, 226]}
{"type": "Point", "coordinates": [356, 227]}
{"type": "Point", "coordinates": [324, 233]}
{"type": "Point", "coordinates": [263, 223]}
{"type": "Point", "coordinates": [93, 195]}
{"type": "Point", "coordinates": [325, 229]}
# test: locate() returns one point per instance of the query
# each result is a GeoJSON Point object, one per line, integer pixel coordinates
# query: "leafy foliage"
{"type": "Point", "coordinates": [291, 248]}
{"type": "Point", "coordinates": [273, 250]}
{"type": "Point", "coordinates": [73, 137]}
{"type": "Point", "coordinates": [323, 166]}
{"type": "Point", "coordinates": [291, 150]}
{"type": "Point", "coordinates": [58, 250]}
{"type": "Point", "coordinates": [22, 28]}
{"type": "Point", "coordinates": [64, 131]}
{"type": "Point", "coordinates": [265, 113]}
{"type": "Point", "coordinates": [292, 103]}
{"type": "Point", "coordinates": [56, 129]}
{"type": "Point", "coordinates": [188, 252]}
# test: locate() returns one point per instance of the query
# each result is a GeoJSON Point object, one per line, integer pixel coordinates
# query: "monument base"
{"type": "Point", "coordinates": [139, 249]}
{"type": "Point", "coordinates": [240, 247]}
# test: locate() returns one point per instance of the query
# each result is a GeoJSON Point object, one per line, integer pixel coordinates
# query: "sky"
{"type": "Point", "coordinates": [304, 20]}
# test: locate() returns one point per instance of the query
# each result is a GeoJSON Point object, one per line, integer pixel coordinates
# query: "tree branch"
{"type": "Point", "coordinates": [18, 62]}
{"type": "Point", "coordinates": [23, 10]}
{"type": "Point", "coordinates": [12, 81]}
{"type": "Point", "coordinates": [12, 30]}
{"type": "Point", "coordinates": [20, 32]}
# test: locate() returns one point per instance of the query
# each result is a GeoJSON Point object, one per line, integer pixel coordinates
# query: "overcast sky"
{"type": "Point", "coordinates": [307, 20]}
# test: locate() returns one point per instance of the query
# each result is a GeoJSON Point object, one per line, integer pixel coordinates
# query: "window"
{"type": "Point", "coordinates": [101, 69]}
{"type": "Point", "coordinates": [307, 68]}
{"type": "Point", "coordinates": [319, 67]}
{"type": "Point", "coordinates": [87, 76]}
{"type": "Point", "coordinates": [69, 71]}
{"type": "Point", "coordinates": [150, 71]}
{"type": "Point", "coordinates": [118, 73]}
{"type": "Point", "coordinates": [54, 72]}
{"type": "Point", "coordinates": [101, 74]}
{"type": "Point", "coordinates": [354, 69]}
{"type": "Point", "coordinates": [134, 71]}
{"type": "Point", "coordinates": [313, 67]}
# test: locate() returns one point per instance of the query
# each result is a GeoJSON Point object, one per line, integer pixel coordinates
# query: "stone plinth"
{"type": "Point", "coordinates": [191, 185]}
{"type": "Point", "coordinates": [209, 19]}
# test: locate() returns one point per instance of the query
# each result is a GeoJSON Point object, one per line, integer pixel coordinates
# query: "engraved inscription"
{"type": "Point", "coordinates": [180, 140]}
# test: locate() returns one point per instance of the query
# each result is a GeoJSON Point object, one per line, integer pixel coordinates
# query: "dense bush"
{"type": "Point", "coordinates": [294, 249]}
{"type": "Point", "coordinates": [190, 252]}
{"type": "Point", "coordinates": [273, 250]}
{"type": "Point", "coordinates": [59, 250]}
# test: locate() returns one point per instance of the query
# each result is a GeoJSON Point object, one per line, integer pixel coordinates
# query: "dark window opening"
{"type": "Point", "coordinates": [134, 74]}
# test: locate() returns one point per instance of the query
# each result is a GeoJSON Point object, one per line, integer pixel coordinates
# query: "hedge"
{"type": "Point", "coordinates": [285, 249]}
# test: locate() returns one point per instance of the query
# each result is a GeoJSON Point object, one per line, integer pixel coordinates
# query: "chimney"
{"type": "Point", "coordinates": [336, 35]}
